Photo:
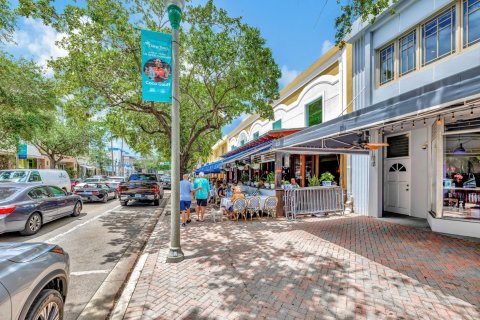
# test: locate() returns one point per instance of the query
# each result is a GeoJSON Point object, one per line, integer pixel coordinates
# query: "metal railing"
{"type": "Point", "coordinates": [313, 200]}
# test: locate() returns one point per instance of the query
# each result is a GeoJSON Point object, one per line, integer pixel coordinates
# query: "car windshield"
{"type": "Point", "coordinates": [91, 180]}
{"type": "Point", "coordinates": [7, 192]}
{"type": "Point", "coordinates": [142, 177]}
{"type": "Point", "coordinates": [167, 179]}
{"type": "Point", "coordinates": [13, 175]}
{"type": "Point", "coordinates": [91, 185]}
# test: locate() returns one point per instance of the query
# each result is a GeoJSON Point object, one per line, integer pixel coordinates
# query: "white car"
{"type": "Point", "coordinates": [58, 178]}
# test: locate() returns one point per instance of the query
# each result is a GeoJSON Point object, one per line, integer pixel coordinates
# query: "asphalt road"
{"type": "Point", "coordinates": [95, 241]}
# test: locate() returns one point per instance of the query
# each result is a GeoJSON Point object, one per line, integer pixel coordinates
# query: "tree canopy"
{"type": "Point", "coordinates": [27, 101]}
{"type": "Point", "coordinates": [226, 70]}
{"type": "Point", "coordinates": [366, 10]}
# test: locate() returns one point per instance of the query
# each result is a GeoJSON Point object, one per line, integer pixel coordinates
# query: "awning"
{"type": "Point", "coordinates": [247, 153]}
{"type": "Point", "coordinates": [264, 138]}
{"type": "Point", "coordinates": [213, 167]}
{"type": "Point", "coordinates": [426, 99]}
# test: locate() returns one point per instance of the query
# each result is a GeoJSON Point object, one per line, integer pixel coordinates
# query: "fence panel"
{"type": "Point", "coordinates": [313, 200]}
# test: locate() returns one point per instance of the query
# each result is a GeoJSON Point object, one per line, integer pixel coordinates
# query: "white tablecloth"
{"type": "Point", "coordinates": [227, 203]}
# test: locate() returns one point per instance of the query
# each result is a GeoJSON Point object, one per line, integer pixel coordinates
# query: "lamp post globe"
{"type": "Point", "coordinates": [174, 9]}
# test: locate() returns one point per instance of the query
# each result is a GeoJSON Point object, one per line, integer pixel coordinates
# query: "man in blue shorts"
{"type": "Point", "coordinates": [186, 191]}
{"type": "Point", "coordinates": [202, 190]}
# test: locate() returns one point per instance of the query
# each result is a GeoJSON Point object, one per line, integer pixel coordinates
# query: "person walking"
{"type": "Point", "coordinates": [202, 192]}
{"type": "Point", "coordinates": [186, 192]}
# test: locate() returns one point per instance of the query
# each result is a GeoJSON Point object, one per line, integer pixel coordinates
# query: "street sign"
{"type": "Point", "coordinates": [22, 151]}
{"type": "Point", "coordinates": [156, 66]}
{"type": "Point", "coordinates": [164, 163]}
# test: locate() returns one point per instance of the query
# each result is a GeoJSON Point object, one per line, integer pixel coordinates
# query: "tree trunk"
{"type": "Point", "coordinates": [53, 162]}
{"type": "Point", "coordinates": [183, 163]}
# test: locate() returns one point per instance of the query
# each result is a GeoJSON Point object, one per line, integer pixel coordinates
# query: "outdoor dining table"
{"type": "Point", "coordinates": [227, 203]}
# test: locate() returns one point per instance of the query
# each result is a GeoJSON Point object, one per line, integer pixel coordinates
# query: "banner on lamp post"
{"type": "Point", "coordinates": [22, 151]}
{"type": "Point", "coordinates": [156, 66]}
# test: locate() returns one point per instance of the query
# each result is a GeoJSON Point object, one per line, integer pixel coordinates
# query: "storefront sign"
{"type": "Point", "coordinates": [156, 66]}
{"type": "Point", "coordinates": [22, 151]}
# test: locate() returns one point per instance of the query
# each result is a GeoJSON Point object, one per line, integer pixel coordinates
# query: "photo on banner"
{"type": "Point", "coordinates": [156, 66]}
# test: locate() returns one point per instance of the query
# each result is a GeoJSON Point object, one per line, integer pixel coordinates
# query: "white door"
{"type": "Point", "coordinates": [397, 185]}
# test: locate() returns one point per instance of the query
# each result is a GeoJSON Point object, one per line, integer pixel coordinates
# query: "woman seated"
{"type": "Point", "coordinates": [237, 194]}
{"type": "Point", "coordinates": [221, 191]}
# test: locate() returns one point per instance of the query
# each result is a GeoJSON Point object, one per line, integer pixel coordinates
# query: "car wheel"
{"type": "Point", "coordinates": [77, 209]}
{"type": "Point", "coordinates": [47, 305]}
{"type": "Point", "coordinates": [123, 203]}
{"type": "Point", "coordinates": [33, 224]}
{"type": "Point", "coordinates": [115, 196]}
{"type": "Point", "coordinates": [156, 202]}
{"type": "Point", "coordinates": [105, 198]}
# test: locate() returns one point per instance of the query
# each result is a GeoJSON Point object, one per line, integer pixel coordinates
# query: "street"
{"type": "Point", "coordinates": [96, 241]}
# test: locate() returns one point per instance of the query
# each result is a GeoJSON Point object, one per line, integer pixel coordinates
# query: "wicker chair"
{"type": "Point", "coordinates": [253, 207]}
{"type": "Point", "coordinates": [239, 207]}
{"type": "Point", "coordinates": [270, 206]}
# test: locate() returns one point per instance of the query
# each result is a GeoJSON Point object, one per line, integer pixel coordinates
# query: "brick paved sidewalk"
{"type": "Point", "coordinates": [318, 268]}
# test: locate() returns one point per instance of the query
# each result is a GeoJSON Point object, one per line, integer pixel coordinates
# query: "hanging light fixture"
{"type": "Point", "coordinates": [460, 149]}
{"type": "Point", "coordinates": [439, 121]}
{"type": "Point", "coordinates": [424, 122]}
{"type": "Point", "coordinates": [413, 124]}
{"type": "Point", "coordinates": [401, 127]}
{"type": "Point", "coordinates": [471, 112]}
{"type": "Point", "coordinates": [453, 116]}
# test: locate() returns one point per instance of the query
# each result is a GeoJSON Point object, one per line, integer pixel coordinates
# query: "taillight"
{"type": "Point", "coordinates": [7, 209]}
{"type": "Point", "coordinates": [75, 192]}
{"type": "Point", "coordinates": [58, 250]}
{"type": "Point", "coordinates": [119, 189]}
{"type": "Point", "coordinates": [95, 192]}
{"type": "Point", "coordinates": [155, 188]}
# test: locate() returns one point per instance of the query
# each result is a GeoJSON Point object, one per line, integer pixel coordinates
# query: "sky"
{"type": "Point", "coordinates": [297, 31]}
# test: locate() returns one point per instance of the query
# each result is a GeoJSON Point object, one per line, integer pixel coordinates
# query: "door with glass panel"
{"type": "Point", "coordinates": [397, 175]}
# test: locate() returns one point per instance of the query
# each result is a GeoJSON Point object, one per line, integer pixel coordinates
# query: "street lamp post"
{"type": "Point", "coordinates": [174, 8]}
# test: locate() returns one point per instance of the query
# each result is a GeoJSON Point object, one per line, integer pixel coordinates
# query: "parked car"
{"type": "Point", "coordinates": [92, 180]}
{"type": "Point", "coordinates": [53, 177]}
{"type": "Point", "coordinates": [34, 280]}
{"type": "Point", "coordinates": [166, 182]}
{"type": "Point", "coordinates": [144, 187]}
{"type": "Point", "coordinates": [96, 192]}
{"type": "Point", "coordinates": [114, 182]}
{"type": "Point", "coordinates": [25, 207]}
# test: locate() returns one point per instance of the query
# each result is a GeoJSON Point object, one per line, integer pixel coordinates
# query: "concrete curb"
{"type": "Point", "coordinates": [103, 301]}
{"type": "Point", "coordinates": [122, 303]}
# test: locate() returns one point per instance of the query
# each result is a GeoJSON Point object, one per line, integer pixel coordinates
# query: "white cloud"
{"type": "Point", "coordinates": [326, 45]}
{"type": "Point", "coordinates": [287, 76]}
{"type": "Point", "coordinates": [39, 42]}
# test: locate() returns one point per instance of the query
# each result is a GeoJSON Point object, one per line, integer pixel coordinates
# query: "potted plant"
{"type": "Point", "coordinates": [255, 165]}
{"type": "Point", "coordinates": [240, 165]}
{"type": "Point", "coordinates": [244, 177]}
{"type": "Point", "coordinates": [326, 178]}
{"type": "Point", "coordinates": [271, 180]}
{"type": "Point", "coordinates": [256, 179]}
{"type": "Point", "coordinates": [314, 181]}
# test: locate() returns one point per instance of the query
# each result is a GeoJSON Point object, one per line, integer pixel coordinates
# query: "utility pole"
{"type": "Point", "coordinates": [174, 9]}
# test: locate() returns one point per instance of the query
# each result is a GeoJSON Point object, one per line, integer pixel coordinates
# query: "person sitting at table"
{"type": "Point", "coordinates": [294, 183]}
{"type": "Point", "coordinates": [237, 194]}
{"type": "Point", "coordinates": [261, 183]}
{"type": "Point", "coordinates": [221, 191]}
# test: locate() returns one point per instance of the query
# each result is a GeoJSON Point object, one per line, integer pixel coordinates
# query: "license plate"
{"type": "Point", "coordinates": [87, 193]}
{"type": "Point", "coordinates": [138, 196]}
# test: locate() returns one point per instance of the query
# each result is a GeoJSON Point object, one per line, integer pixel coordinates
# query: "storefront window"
{"type": "Point", "coordinates": [461, 175]}
{"type": "Point", "coordinates": [407, 49]}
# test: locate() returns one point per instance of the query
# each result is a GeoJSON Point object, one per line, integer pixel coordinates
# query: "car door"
{"type": "Point", "coordinates": [108, 190]}
{"type": "Point", "coordinates": [44, 202]}
{"type": "Point", "coordinates": [63, 205]}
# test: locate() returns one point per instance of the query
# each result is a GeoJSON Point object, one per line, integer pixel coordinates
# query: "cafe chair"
{"type": "Point", "coordinates": [270, 206]}
{"type": "Point", "coordinates": [239, 207]}
{"type": "Point", "coordinates": [253, 207]}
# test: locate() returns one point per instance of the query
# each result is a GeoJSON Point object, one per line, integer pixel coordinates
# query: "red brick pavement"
{"type": "Point", "coordinates": [335, 268]}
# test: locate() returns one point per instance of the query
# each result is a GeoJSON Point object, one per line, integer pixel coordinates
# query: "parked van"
{"type": "Point", "coordinates": [53, 177]}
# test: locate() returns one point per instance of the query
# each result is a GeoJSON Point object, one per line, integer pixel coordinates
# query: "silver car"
{"type": "Point", "coordinates": [33, 281]}
{"type": "Point", "coordinates": [26, 207]}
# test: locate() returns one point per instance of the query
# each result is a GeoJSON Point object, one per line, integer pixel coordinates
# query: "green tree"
{"type": "Point", "coordinates": [226, 70]}
{"type": "Point", "coordinates": [63, 139]}
{"type": "Point", "coordinates": [366, 10]}
{"type": "Point", "coordinates": [97, 151]}
{"type": "Point", "coordinates": [27, 101]}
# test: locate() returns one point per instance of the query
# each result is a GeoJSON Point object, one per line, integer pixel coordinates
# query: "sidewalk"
{"type": "Point", "coordinates": [318, 268]}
